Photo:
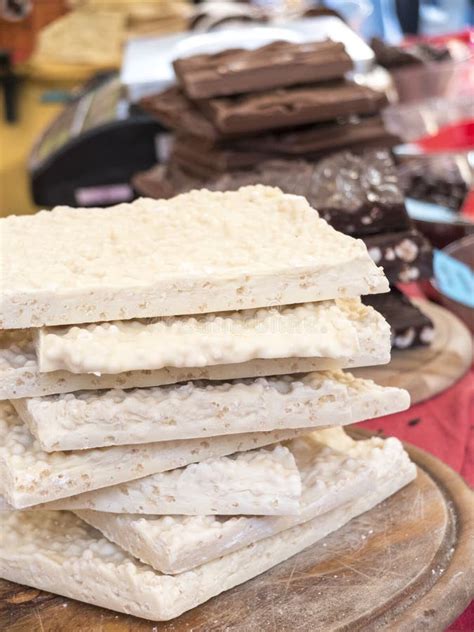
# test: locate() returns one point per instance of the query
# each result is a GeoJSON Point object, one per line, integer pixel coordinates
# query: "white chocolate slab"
{"type": "Point", "coordinates": [90, 419]}
{"type": "Point", "coordinates": [258, 482]}
{"type": "Point", "coordinates": [331, 478]}
{"type": "Point", "coordinates": [57, 552]}
{"type": "Point", "coordinates": [20, 376]}
{"type": "Point", "coordinates": [327, 329]}
{"type": "Point", "coordinates": [30, 476]}
{"type": "Point", "coordinates": [199, 252]}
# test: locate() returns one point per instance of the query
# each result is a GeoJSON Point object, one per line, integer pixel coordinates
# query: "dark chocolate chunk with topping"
{"type": "Point", "coordinates": [410, 326]}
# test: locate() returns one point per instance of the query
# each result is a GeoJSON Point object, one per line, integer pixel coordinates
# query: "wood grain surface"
{"type": "Point", "coordinates": [405, 566]}
{"type": "Point", "coordinates": [427, 371]}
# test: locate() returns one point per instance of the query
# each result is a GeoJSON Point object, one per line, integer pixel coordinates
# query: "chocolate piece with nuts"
{"type": "Point", "coordinates": [410, 326]}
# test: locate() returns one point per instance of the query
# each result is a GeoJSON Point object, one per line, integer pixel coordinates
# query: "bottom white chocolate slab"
{"type": "Point", "coordinates": [57, 552]}
{"type": "Point", "coordinates": [331, 476]}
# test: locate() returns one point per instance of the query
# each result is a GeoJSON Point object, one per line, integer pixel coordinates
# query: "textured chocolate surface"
{"type": "Point", "coordinates": [276, 65]}
{"type": "Point", "coordinates": [405, 256]}
{"type": "Point", "coordinates": [358, 193]}
{"type": "Point", "coordinates": [410, 326]}
{"type": "Point", "coordinates": [441, 179]}
{"type": "Point", "coordinates": [286, 107]}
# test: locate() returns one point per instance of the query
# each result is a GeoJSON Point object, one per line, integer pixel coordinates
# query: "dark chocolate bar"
{"type": "Point", "coordinates": [175, 111]}
{"type": "Point", "coordinates": [294, 106]}
{"type": "Point", "coordinates": [276, 65]}
{"type": "Point", "coordinates": [410, 326]}
{"type": "Point", "coordinates": [394, 57]}
{"type": "Point", "coordinates": [210, 161]}
{"type": "Point", "coordinates": [320, 137]}
{"type": "Point", "coordinates": [313, 142]}
{"type": "Point", "coordinates": [405, 256]}
{"type": "Point", "coordinates": [164, 181]}
{"type": "Point", "coordinates": [441, 179]}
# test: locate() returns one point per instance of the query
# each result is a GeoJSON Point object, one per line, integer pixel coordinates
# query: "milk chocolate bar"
{"type": "Point", "coordinates": [202, 160]}
{"type": "Point", "coordinates": [177, 112]}
{"type": "Point", "coordinates": [405, 256]}
{"type": "Point", "coordinates": [285, 107]}
{"type": "Point", "coordinates": [164, 181]}
{"type": "Point", "coordinates": [321, 137]}
{"type": "Point", "coordinates": [410, 326]}
{"type": "Point", "coordinates": [276, 65]}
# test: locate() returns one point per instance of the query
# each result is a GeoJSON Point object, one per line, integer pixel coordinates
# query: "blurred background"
{"type": "Point", "coordinates": [52, 52]}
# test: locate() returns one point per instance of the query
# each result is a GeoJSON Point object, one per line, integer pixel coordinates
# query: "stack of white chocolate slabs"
{"type": "Point", "coordinates": [174, 371]}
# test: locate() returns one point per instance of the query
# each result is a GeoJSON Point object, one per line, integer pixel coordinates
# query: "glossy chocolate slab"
{"type": "Point", "coordinates": [286, 107]}
{"type": "Point", "coordinates": [276, 65]}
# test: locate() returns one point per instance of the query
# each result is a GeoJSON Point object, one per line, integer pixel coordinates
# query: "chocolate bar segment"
{"type": "Point", "coordinates": [276, 65]}
{"type": "Point", "coordinates": [405, 256]}
{"type": "Point", "coordinates": [286, 107]}
{"type": "Point", "coordinates": [202, 159]}
{"type": "Point", "coordinates": [210, 161]}
{"type": "Point", "coordinates": [161, 182]}
{"type": "Point", "coordinates": [358, 193]}
{"type": "Point", "coordinates": [175, 111]}
{"type": "Point", "coordinates": [410, 326]}
{"type": "Point", "coordinates": [321, 137]}
{"type": "Point", "coordinates": [442, 179]}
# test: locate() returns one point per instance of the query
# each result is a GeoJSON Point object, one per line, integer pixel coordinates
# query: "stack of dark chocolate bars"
{"type": "Point", "coordinates": [277, 116]}
{"type": "Point", "coordinates": [237, 108]}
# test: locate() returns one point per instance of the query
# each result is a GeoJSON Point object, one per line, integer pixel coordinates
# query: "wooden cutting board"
{"type": "Point", "coordinates": [405, 566]}
{"type": "Point", "coordinates": [427, 371]}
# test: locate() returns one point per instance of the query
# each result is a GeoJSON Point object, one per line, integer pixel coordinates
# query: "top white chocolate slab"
{"type": "Point", "coordinates": [337, 330]}
{"type": "Point", "coordinates": [199, 252]}
{"type": "Point", "coordinates": [57, 552]}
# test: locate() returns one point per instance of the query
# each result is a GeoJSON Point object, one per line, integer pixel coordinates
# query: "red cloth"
{"type": "Point", "coordinates": [444, 426]}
